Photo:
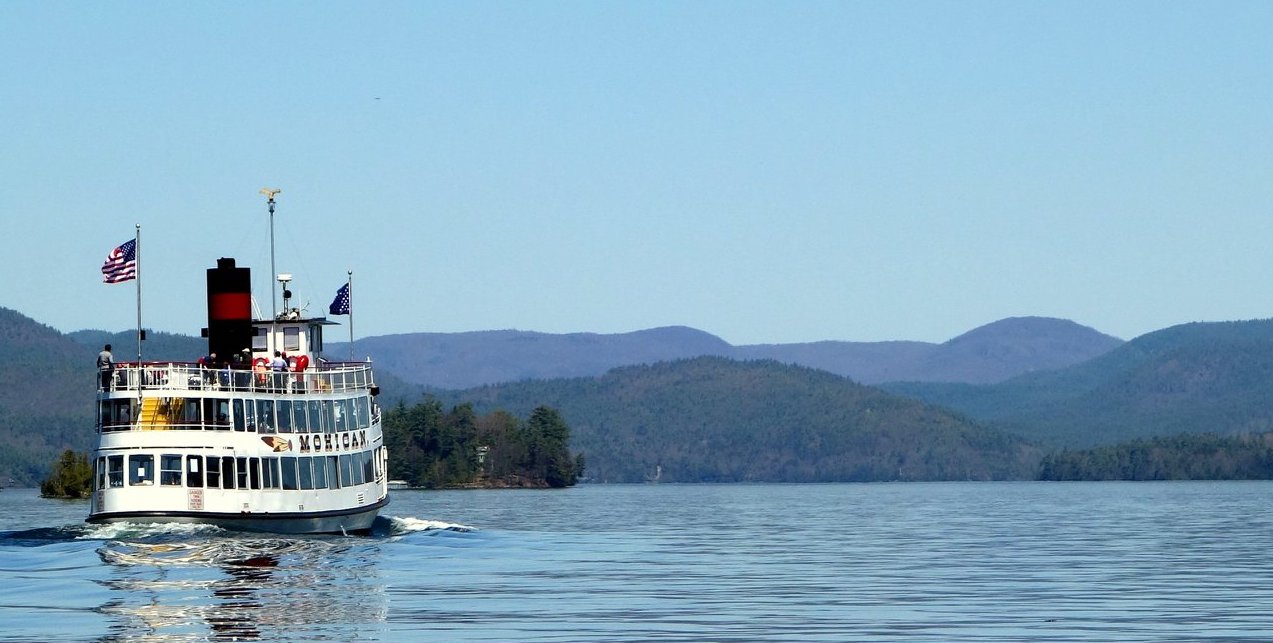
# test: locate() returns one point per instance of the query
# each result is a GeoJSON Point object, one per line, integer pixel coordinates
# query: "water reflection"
{"type": "Point", "coordinates": [231, 587]}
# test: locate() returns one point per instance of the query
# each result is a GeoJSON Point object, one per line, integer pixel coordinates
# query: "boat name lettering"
{"type": "Point", "coordinates": [319, 442]}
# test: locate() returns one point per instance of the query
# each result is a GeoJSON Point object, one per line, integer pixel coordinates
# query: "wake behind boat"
{"type": "Point", "coordinates": [241, 443]}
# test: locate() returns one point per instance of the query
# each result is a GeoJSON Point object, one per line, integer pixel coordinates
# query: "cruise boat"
{"type": "Point", "coordinates": [235, 443]}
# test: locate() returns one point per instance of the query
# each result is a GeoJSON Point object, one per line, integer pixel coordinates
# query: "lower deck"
{"type": "Point", "coordinates": [265, 493]}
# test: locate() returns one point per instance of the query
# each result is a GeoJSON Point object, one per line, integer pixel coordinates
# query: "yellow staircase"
{"type": "Point", "coordinates": [156, 413]}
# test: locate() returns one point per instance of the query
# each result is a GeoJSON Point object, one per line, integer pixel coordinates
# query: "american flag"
{"type": "Point", "coordinates": [340, 305]}
{"type": "Point", "coordinates": [121, 263]}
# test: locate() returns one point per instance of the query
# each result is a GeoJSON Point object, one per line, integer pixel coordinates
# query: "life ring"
{"type": "Point", "coordinates": [259, 367]}
{"type": "Point", "coordinates": [299, 363]}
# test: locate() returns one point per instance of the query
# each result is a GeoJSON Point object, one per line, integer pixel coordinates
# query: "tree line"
{"type": "Point", "coordinates": [434, 448]}
{"type": "Point", "coordinates": [1180, 457]}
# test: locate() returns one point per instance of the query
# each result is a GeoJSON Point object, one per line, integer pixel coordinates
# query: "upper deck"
{"type": "Point", "coordinates": [184, 377]}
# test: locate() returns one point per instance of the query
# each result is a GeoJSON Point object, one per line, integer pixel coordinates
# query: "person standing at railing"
{"type": "Point", "coordinates": [106, 366]}
{"type": "Point", "coordinates": [279, 366]}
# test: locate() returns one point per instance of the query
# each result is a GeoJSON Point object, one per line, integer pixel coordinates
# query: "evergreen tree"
{"type": "Point", "coordinates": [71, 477]}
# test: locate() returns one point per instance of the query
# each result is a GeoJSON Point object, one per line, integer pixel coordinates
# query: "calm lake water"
{"type": "Point", "coordinates": [887, 562]}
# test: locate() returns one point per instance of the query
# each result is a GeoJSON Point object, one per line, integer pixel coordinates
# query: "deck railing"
{"type": "Point", "coordinates": [179, 376]}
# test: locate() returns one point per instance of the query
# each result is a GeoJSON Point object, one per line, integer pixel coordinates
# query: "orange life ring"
{"type": "Point", "coordinates": [259, 367]}
{"type": "Point", "coordinates": [299, 363]}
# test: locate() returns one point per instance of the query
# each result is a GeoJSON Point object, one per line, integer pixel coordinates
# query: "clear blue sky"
{"type": "Point", "coordinates": [764, 171]}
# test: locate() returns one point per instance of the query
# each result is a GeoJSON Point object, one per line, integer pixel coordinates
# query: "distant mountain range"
{"type": "Point", "coordinates": [679, 397]}
{"type": "Point", "coordinates": [1214, 377]}
{"type": "Point", "coordinates": [991, 353]}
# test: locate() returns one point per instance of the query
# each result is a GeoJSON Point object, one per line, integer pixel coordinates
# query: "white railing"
{"type": "Point", "coordinates": [176, 376]}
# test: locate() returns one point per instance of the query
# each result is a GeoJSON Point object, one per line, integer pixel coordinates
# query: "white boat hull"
{"type": "Point", "coordinates": [352, 521]}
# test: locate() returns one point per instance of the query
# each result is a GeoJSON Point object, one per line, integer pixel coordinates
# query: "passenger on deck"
{"type": "Point", "coordinates": [279, 366]}
{"type": "Point", "coordinates": [106, 365]}
{"type": "Point", "coordinates": [208, 365]}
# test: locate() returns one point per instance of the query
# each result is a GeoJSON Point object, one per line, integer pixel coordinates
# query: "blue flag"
{"type": "Point", "coordinates": [340, 305]}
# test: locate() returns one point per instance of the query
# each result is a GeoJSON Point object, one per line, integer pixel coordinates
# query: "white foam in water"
{"type": "Point", "coordinates": [408, 525]}
{"type": "Point", "coordinates": [119, 530]}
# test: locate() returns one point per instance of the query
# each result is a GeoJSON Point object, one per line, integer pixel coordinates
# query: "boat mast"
{"type": "Point", "coordinates": [269, 196]}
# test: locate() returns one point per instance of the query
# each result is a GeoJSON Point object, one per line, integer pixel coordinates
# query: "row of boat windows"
{"type": "Point", "coordinates": [228, 472]}
{"type": "Point", "coordinates": [261, 415]}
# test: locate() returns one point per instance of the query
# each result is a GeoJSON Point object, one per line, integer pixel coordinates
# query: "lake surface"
{"type": "Point", "coordinates": [1178, 561]}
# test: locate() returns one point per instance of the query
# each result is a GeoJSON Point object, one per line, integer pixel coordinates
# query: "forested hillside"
{"type": "Point", "coordinates": [46, 397]}
{"type": "Point", "coordinates": [1182, 457]}
{"type": "Point", "coordinates": [1214, 377]}
{"type": "Point", "coordinates": [717, 420]}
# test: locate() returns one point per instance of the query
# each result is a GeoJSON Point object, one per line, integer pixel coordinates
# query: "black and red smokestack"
{"type": "Point", "coordinates": [229, 309]}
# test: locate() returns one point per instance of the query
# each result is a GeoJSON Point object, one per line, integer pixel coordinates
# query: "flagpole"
{"type": "Point", "coordinates": [137, 256]}
{"type": "Point", "coordinates": [350, 284]}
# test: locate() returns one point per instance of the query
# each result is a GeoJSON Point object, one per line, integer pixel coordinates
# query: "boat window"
{"type": "Point", "coordinates": [301, 425]}
{"type": "Point", "coordinates": [259, 343]}
{"type": "Point", "coordinates": [340, 415]}
{"type": "Point", "coordinates": [216, 413]}
{"type": "Point", "coordinates": [284, 416]}
{"type": "Point", "coordinates": [269, 467]}
{"type": "Point", "coordinates": [329, 419]}
{"type": "Point", "coordinates": [265, 416]}
{"type": "Point", "coordinates": [227, 472]}
{"type": "Point", "coordinates": [141, 469]}
{"type": "Point", "coordinates": [291, 339]}
{"type": "Point", "coordinates": [238, 415]}
{"type": "Point", "coordinates": [289, 473]}
{"type": "Point", "coordinates": [306, 466]}
{"type": "Point", "coordinates": [315, 338]}
{"type": "Point", "coordinates": [320, 472]}
{"type": "Point", "coordinates": [243, 472]}
{"type": "Point", "coordinates": [254, 467]}
{"type": "Point", "coordinates": [99, 474]}
{"type": "Point", "coordinates": [333, 472]}
{"type": "Point", "coordinates": [214, 472]}
{"type": "Point", "coordinates": [368, 469]}
{"type": "Point", "coordinates": [190, 419]}
{"type": "Point", "coordinates": [346, 470]}
{"type": "Point", "coordinates": [249, 416]}
{"type": "Point", "coordinates": [194, 472]}
{"type": "Point", "coordinates": [362, 407]}
{"type": "Point", "coordinates": [170, 470]}
{"type": "Point", "coordinates": [115, 470]}
{"type": "Point", "coordinates": [316, 417]}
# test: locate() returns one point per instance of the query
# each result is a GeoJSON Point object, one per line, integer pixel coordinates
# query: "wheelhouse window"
{"type": "Point", "coordinates": [141, 469]}
{"type": "Point", "coordinates": [260, 342]}
{"type": "Point", "coordinates": [170, 470]}
{"type": "Point", "coordinates": [291, 339]}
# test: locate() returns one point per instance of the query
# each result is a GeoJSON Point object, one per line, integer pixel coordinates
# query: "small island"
{"type": "Point", "coordinates": [71, 478]}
